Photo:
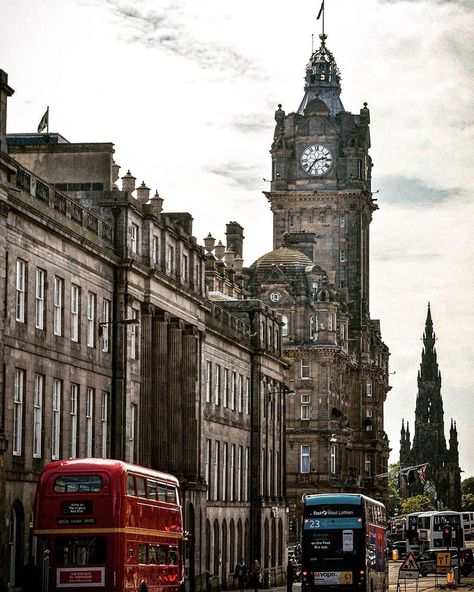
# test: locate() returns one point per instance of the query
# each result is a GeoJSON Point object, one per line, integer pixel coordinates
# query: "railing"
{"type": "Point", "coordinates": [64, 205]}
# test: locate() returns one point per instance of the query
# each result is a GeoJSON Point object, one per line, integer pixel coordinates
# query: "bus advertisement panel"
{"type": "Point", "coordinates": [343, 543]}
{"type": "Point", "coordinates": [110, 526]}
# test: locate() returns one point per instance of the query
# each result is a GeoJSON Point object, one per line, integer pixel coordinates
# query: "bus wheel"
{"type": "Point", "coordinates": [143, 587]}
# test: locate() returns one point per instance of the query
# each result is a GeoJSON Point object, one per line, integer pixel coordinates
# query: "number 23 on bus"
{"type": "Point", "coordinates": [343, 543]}
{"type": "Point", "coordinates": [108, 525]}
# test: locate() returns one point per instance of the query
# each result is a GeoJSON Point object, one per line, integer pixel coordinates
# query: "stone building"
{"type": "Point", "coordinates": [443, 474]}
{"type": "Point", "coordinates": [317, 277]}
{"type": "Point", "coordinates": [122, 337]}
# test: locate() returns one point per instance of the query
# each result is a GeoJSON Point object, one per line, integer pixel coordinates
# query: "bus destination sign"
{"type": "Point", "coordinates": [76, 507]}
{"type": "Point", "coordinates": [80, 577]}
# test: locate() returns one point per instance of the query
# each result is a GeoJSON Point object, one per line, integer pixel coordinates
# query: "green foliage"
{"type": "Point", "coordinates": [467, 485]}
{"type": "Point", "coordinates": [467, 502]}
{"type": "Point", "coordinates": [417, 503]}
{"type": "Point", "coordinates": [393, 506]}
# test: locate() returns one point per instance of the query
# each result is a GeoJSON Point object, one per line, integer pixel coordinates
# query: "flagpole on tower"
{"type": "Point", "coordinates": [321, 13]}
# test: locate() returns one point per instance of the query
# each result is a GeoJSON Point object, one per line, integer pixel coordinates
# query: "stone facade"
{"type": "Point", "coordinates": [443, 474]}
{"type": "Point", "coordinates": [111, 313]}
{"type": "Point", "coordinates": [317, 277]}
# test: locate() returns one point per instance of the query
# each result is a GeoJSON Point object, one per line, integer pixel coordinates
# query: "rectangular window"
{"type": "Point", "coordinates": [207, 467]}
{"type": "Point", "coordinates": [91, 306]}
{"type": "Point", "coordinates": [133, 431]}
{"type": "Point", "coordinates": [305, 407]}
{"type": "Point", "coordinates": [241, 393]}
{"type": "Point", "coordinates": [233, 390]}
{"type": "Point", "coordinates": [56, 419]}
{"type": "Point", "coordinates": [21, 291]}
{"type": "Point", "coordinates": [170, 259]}
{"type": "Point", "coordinates": [359, 169]}
{"type": "Point", "coordinates": [304, 458]}
{"type": "Point", "coordinates": [155, 250]}
{"type": "Point", "coordinates": [246, 483]}
{"type": "Point", "coordinates": [342, 221]}
{"type": "Point", "coordinates": [18, 398]}
{"type": "Point", "coordinates": [73, 420]}
{"type": "Point", "coordinates": [90, 395]}
{"type": "Point", "coordinates": [367, 465]}
{"type": "Point", "coordinates": [104, 424]}
{"type": "Point", "coordinates": [232, 490]}
{"type": "Point", "coordinates": [226, 387]}
{"type": "Point", "coordinates": [134, 238]}
{"type": "Point", "coordinates": [247, 396]}
{"type": "Point", "coordinates": [38, 415]}
{"type": "Point", "coordinates": [217, 385]}
{"type": "Point", "coordinates": [105, 325]}
{"type": "Point", "coordinates": [39, 298]}
{"type": "Point", "coordinates": [134, 337]}
{"type": "Point", "coordinates": [75, 308]}
{"type": "Point", "coordinates": [215, 475]}
{"type": "Point", "coordinates": [58, 289]}
{"type": "Point", "coordinates": [369, 412]}
{"type": "Point", "coordinates": [369, 387]}
{"type": "Point", "coordinates": [342, 255]}
{"type": "Point", "coordinates": [184, 268]}
{"type": "Point", "coordinates": [208, 381]}
{"type": "Point", "coordinates": [239, 482]}
{"type": "Point", "coordinates": [305, 369]}
{"type": "Point", "coordinates": [284, 327]}
{"type": "Point", "coordinates": [332, 459]}
{"type": "Point", "coordinates": [225, 450]}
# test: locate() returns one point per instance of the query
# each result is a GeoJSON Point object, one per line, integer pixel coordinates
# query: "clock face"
{"type": "Point", "coordinates": [275, 296]}
{"type": "Point", "coordinates": [316, 160]}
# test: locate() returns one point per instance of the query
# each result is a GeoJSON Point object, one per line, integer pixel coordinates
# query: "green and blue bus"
{"type": "Point", "coordinates": [343, 543]}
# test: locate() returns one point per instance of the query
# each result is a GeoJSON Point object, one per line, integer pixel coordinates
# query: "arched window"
{"type": "Point", "coordinates": [311, 327]}
{"type": "Point", "coordinates": [266, 544]}
{"type": "Point", "coordinates": [280, 541]}
{"type": "Point", "coordinates": [273, 544]}
{"type": "Point", "coordinates": [217, 549]}
{"type": "Point", "coordinates": [225, 558]}
{"type": "Point", "coordinates": [240, 545]}
{"type": "Point", "coordinates": [208, 545]}
{"type": "Point", "coordinates": [232, 558]}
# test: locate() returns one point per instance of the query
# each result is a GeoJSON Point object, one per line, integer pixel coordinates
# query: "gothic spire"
{"type": "Point", "coordinates": [429, 363]}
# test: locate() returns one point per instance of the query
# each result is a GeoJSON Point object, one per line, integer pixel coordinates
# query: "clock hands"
{"type": "Point", "coordinates": [316, 160]}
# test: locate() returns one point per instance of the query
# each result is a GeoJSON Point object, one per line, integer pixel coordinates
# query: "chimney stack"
{"type": "Point", "coordinates": [128, 182]}
{"type": "Point", "coordinates": [143, 193]}
{"type": "Point", "coordinates": [235, 238]}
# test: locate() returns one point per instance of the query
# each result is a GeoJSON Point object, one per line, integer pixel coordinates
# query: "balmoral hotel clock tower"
{"type": "Point", "coordinates": [317, 277]}
{"type": "Point", "coordinates": [321, 181]}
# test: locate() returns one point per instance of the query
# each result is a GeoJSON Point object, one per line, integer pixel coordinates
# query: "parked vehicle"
{"type": "Point", "coordinates": [427, 561]}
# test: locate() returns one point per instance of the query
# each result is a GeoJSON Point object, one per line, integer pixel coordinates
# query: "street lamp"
{"type": "Point", "coordinates": [119, 386]}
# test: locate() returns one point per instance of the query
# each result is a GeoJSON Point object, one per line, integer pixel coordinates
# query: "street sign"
{"type": "Point", "coordinates": [443, 561]}
{"type": "Point", "coordinates": [409, 569]}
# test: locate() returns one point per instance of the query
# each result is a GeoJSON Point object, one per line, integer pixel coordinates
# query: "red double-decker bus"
{"type": "Point", "coordinates": [110, 526]}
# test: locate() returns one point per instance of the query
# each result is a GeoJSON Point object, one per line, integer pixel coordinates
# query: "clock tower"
{"type": "Point", "coordinates": [321, 181]}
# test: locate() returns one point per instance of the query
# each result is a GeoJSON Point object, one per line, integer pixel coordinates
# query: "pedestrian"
{"type": "Point", "coordinates": [256, 575]}
{"type": "Point", "coordinates": [30, 576]}
{"type": "Point", "coordinates": [290, 575]}
{"type": "Point", "coordinates": [240, 573]}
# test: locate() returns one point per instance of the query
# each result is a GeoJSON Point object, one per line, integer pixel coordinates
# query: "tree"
{"type": "Point", "coordinates": [417, 503]}
{"type": "Point", "coordinates": [393, 506]}
{"type": "Point", "coordinates": [467, 502]}
{"type": "Point", "coordinates": [467, 485]}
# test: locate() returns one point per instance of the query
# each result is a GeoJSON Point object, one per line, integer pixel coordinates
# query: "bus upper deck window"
{"type": "Point", "coordinates": [152, 493]}
{"type": "Point", "coordinates": [171, 495]}
{"type": "Point", "coordinates": [141, 487]}
{"type": "Point", "coordinates": [131, 485]}
{"type": "Point", "coordinates": [78, 484]}
{"type": "Point", "coordinates": [161, 492]}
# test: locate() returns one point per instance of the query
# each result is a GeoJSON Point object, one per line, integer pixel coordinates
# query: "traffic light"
{"type": "Point", "coordinates": [447, 535]}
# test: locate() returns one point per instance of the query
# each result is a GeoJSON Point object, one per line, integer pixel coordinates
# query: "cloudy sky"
{"type": "Point", "coordinates": [187, 91]}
